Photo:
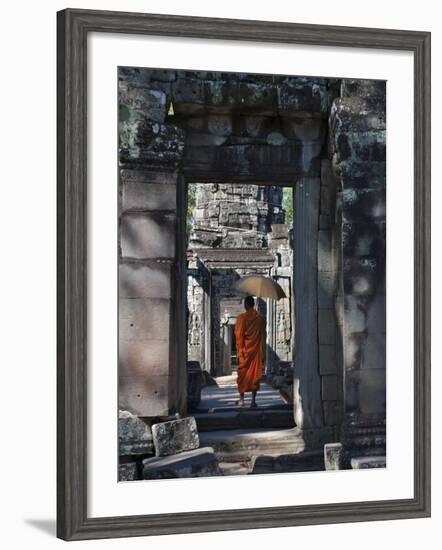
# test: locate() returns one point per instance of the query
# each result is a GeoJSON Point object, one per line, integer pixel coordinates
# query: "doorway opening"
{"type": "Point", "coordinates": [236, 230]}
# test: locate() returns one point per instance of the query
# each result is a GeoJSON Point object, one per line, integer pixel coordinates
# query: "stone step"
{"type": "Point", "coordinates": [363, 462]}
{"type": "Point", "coordinates": [234, 468]}
{"type": "Point", "coordinates": [244, 418]}
{"type": "Point", "coordinates": [306, 461]}
{"type": "Point", "coordinates": [243, 444]}
{"type": "Point", "coordinates": [200, 462]}
{"type": "Point", "coordinates": [234, 408]}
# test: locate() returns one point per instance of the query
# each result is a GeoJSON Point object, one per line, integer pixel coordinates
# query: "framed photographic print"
{"type": "Point", "coordinates": [243, 274]}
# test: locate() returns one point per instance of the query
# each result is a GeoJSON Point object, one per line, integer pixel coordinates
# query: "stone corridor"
{"type": "Point", "coordinates": [245, 440]}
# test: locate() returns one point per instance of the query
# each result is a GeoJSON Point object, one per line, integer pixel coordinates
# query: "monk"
{"type": "Point", "coordinates": [250, 341]}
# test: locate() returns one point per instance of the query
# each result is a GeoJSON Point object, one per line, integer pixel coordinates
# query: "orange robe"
{"type": "Point", "coordinates": [250, 337]}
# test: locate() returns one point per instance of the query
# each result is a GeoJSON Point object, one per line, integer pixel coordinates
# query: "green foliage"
{"type": "Point", "coordinates": [287, 204]}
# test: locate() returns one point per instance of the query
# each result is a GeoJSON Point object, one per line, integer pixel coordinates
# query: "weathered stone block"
{"type": "Point", "coordinates": [194, 383]}
{"type": "Point", "coordinates": [175, 436]}
{"type": "Point", "coordinates": [148, 235]}
{"type": "Point", "coordinates": [256, 160]}
{"type": "Point", "coordinates": [372, 390]}
{"type": "Point", "coordinates": [326, 326]}
{"type": "Point", "coordinates": [142, 319]}
{"type": "Point", "coordinates": [204, 140]}
{"type": "Point", "coordinates": [327, 360]}
{"type": "Point", "coordinates": [363, 88]}
{"type": "Point", "coordinates": [355, 317]}
{"type": "Point", "coordinates": [332, 413]}
{"type": "Point", "coordinates": [145, 395]}
{"type": "Point", "coordinates": [364, 277]}
{"type": "Point", "coordinates": [137, 280]}
{"type": "Point", "coordinates": [308, 96]}
{"type": "Point", "coordinates": [358, 114]}
{"type": "Point", "coordinates": [332, 456]}
{"type": "Point", "coordinates": [326, 288]}
{"type": "Point", "coordinates": [326, 199]}
{"type": "Point", "coordinates": [364, 239]}
{"type": "Point", "coordinates": [196, 463]}
{"type": "Point", "coordinates": [305, 129]}
{"type": "Point", "coordinates": [329, 386]}
{"type": "Point", "coordinates": [220, 125]}
{"type": "Point", "coordinates": [324, 221]}
{"type": "Point", "coordinates": [364, 462]}
{"type": "Point", "coordinates": [141, 358]}
{"type": "Point", "coordinates": [366, 146]}
{"type": "Point", "coordinates": [140, 101]}
{"type": "Point", "coordinates": [359, 205]}
{"type": "Point", "coordinates": [325, 260]}
{"type": "Point", "coordinates": [143, 141]}
{"type": "Point", "coordinates": [134, 435]}
{"type": "Point", "coordinates": [140, 175]}
{"type": "Point", "coordinates": [128, 471]}
{"type": "Point", "coordinates": [148, 196]}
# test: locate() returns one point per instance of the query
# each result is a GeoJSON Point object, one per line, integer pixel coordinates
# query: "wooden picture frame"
{"type": "Point", "coordinates": [73, 28]}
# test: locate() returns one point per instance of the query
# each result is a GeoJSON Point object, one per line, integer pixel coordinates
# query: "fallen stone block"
{"type": "Point", "coordinates": [332, 456]}
{"type": "Point", "coordinates": [175, 436]}
{"type": "Point", "coordinates": [128, 472]}
{"type": "Point", "coordinates": [363, 462]}
{"type": "Point", "coordinates": [196, 463]}
{"type": "Point", "coordinates": [134, 435]}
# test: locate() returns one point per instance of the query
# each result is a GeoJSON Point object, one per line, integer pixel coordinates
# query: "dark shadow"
{"type": "Point", "coordinates": [48, 526]}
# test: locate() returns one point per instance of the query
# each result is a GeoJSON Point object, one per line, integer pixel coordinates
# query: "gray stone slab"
{"type": "Point", "coordinates": [144, 319]}
{"type": "Point", "coordinates": [145, 395]}
{"type": "Point", "coordinates": [195, 463]}
{"type": "Point", "coordinates": [144, 280]}
{"type": "Point", "coordinates": [326, 288]}
{"type": "Point", "coordinates": [143, 358]}
{"type": "Point", "coordinates": [332, 456]}
{"type": "Point", "coordinates": [148, 235]}
{"type": "Point", "coordinates": [308, 408]}
{"type": "Point", "coordinates": [307, 461]}
{"type": "Point", "coordinates": [325, 262]}
{"type": "Point", "coordinates": [278, 419]}
{"type": "Point", "coordinates": [364, 462]}
{"type": "Point", "coordinates": [217, 421]}
{"type": "Point", "coordinates": [327, 327]}
{"type": "Point", "coordinates": [329, 388]}
{"type": "Point", "coordinates": [332, 413]}
{"type": "Point", "coordinates": [242, 444]}
{"type": "Point", "coordinates": [128, 471]}
{"type": "Point", "coordinates": [175, 436]}
{"type": "Point", "coordinates": [234, 468]}
{"type": "Point", "coordinates": [134, 435]}
{"type": "Point", "coordinates": [148, 196]}
{"type": "Point", "coordinates": [372, 390]}
{"type": "Point", "coordinates": [327, 360]}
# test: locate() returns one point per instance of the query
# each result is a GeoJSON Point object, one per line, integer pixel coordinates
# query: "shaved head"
{"type": "Point", "coordinates": [249, 302]}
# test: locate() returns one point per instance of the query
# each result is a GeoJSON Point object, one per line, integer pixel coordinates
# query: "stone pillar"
{"type": "Point", "coordinates": [358, 136]}
{"type": "Point", "coordinates": [150, 304]}
{"type": "Point", "coordinates": [307, 386]}
{"type": "Point", "coordinates": [329, 331]}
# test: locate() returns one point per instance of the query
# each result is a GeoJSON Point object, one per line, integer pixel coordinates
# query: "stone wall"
{"type": "Point", "coordinates": [150, 154]}
{"type": "Point", "coordinates": [359, 137]}
{"type": "Point", "coordinates": [178, 126]}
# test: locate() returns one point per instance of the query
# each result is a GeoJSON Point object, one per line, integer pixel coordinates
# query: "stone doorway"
{"type": "Point", "coordinates": [325, 137]}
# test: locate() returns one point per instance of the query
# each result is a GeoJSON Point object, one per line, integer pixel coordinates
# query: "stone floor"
{"type": "Point", "coordinates": [246, 440]}
{"type": "Point", "coordinates": [225, 395]}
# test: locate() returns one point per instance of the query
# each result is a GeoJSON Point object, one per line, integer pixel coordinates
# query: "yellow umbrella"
{"type": "Point", "coordinates": [260, 286]}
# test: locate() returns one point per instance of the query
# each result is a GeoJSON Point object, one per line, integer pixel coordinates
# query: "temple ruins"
{"type": "Point", "coordinates": [240, 139]}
